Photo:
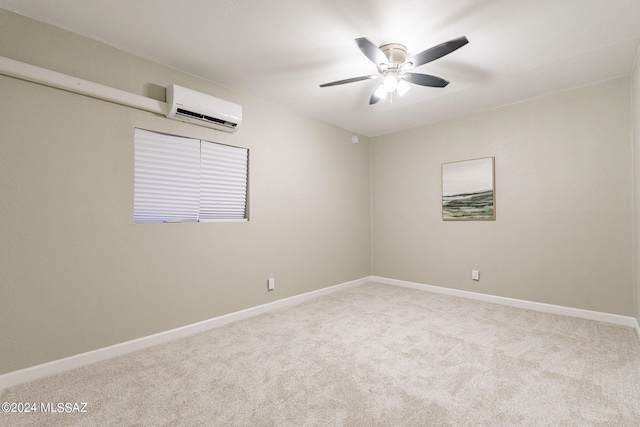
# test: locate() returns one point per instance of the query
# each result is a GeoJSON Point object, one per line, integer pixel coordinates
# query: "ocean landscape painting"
{"type": "Point", "coordinates": [468, 190]}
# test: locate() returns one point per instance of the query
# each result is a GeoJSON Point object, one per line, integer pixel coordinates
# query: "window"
{"type": "Point", "coordinates": [180, 179]}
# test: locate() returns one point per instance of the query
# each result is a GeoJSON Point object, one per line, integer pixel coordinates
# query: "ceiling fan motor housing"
{"type": "Point", "coordinates": [396, 53]}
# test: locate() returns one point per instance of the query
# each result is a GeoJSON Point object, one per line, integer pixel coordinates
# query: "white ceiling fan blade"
{"type": "Point", "coordinates": [372, 51]}
{"type": "Point", "coordinates": [351, 80]}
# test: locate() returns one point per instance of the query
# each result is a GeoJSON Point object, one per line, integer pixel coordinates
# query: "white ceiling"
{"type": "Point", "coordinates": [282, 50]}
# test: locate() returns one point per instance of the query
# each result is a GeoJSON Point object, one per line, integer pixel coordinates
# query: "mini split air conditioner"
{"type": "Point", "coordinates": [201, 109]}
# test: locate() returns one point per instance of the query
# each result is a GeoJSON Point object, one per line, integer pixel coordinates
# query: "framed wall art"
{"type": "Point", "coordinates": [468, 190]}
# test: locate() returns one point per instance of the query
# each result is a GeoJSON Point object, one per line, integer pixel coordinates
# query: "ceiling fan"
{"type": "Point", "coordinates": [393, 65]}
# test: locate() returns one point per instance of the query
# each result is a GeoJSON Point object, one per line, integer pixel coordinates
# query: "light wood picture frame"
{"type": "Point", "coordinates": [468, 190]}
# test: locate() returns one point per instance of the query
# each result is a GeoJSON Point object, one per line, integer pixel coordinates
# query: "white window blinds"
{"type": "Point", "coordinates": [181, 179]}
{"type": "Point", "coordinates": [223, 182]}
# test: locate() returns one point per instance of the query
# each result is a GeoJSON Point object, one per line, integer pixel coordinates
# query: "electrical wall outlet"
{"type": "Point", "coordinates": [475, 275]}
{"type": "Point", "coordinates": [271, 284]}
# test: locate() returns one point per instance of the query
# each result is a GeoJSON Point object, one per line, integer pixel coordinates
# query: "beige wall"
{"type": "Point", "coordinates": [77, 274]}
{"type": "Point", "coordinates": [563, 233]}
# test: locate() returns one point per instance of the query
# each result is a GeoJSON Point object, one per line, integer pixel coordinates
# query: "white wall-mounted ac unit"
{"type": "Point", "coordinates": [201, 109]}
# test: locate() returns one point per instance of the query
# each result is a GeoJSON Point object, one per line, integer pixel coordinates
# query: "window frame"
{"type": "Point", "coordinates": [164, 171]}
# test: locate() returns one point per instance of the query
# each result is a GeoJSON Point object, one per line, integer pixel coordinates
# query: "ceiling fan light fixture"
{"type": "Point", "coordinates": [381, 92]}
{"type": "Point", "coordinates": [403, 87]}
{"type": "Point", "coordinates": [390, 83]}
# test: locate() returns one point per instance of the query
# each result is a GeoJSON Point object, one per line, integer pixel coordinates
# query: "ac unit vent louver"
{"type": "Point", "coordinates": [183, 112]}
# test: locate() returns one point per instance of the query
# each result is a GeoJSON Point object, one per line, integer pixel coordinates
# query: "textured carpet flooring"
{"type": "Point", "coordinates": [372, 355]}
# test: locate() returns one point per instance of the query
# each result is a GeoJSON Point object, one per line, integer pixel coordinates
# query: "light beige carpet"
{"type": "Point", "coordinates": [372, 355]}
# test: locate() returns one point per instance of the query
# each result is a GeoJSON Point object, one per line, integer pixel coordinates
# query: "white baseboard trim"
{"type": "Point", "coordinates": [530, 305]}
{"type": "Point", "coordinates": [57, 366]}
